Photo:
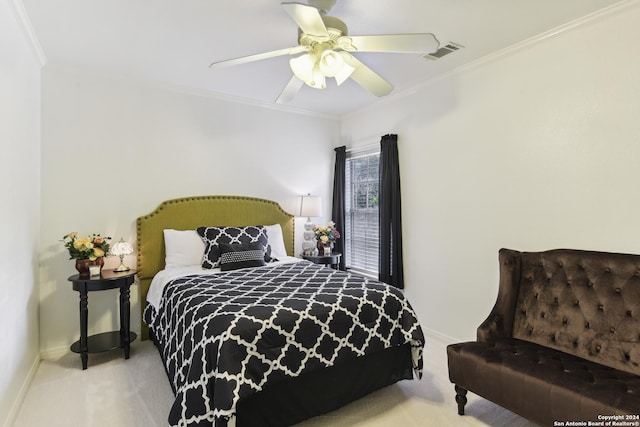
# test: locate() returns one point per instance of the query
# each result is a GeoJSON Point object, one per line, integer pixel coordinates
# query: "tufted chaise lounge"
{"type": "Point", "coordinates": [562, 342]}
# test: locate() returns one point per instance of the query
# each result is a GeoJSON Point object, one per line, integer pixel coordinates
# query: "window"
{"type": "Point", "coordinates": [361, 216]}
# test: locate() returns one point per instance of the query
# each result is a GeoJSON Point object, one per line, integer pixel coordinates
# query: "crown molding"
{"type": "Point", "coordinates": [607, 11]}
{"type": "Point", "coordinates": [22, 18]}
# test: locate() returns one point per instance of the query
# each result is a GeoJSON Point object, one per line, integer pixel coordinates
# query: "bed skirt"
{"type": "Point", "coordinates": [325, 390]}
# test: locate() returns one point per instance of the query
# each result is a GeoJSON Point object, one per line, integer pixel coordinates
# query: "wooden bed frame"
{"type": "Point", "coordinates": [189, 213]}
{"type": "Point", "coordinates": [294, 399]}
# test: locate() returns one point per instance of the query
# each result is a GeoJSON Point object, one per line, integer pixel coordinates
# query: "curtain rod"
{"type": "Point", "coordinates": [364, 147]}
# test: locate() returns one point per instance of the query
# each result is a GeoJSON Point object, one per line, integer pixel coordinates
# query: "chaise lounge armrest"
{"type": "Point", "coordinates": [499, 323]}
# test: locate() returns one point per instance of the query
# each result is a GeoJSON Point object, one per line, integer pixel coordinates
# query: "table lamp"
{"type": "Point", "coordinates": [121, 249]}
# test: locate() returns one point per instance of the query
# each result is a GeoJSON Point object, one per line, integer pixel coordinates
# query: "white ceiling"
{"type": "Point", "coordinates": [174, 41]}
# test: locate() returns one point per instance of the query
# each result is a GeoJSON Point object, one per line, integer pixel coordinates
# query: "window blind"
{"type": "Point", "coordinates": [361, 216]}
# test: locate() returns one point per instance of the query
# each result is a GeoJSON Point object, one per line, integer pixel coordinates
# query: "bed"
{"type": "Point", "coordinates": [270, 345]}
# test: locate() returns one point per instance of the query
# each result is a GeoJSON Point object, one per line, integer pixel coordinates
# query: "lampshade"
{"type": "Point", "coordinates": [309, 206]}
{"type": "Point", "coordinates": [330, 63]}
{"type": "Point", "coordinates": [344, 72]}
{"type": "Point", "coordinates": [122, 248]}
{"type": "Point", "coordinates": [306, 68]}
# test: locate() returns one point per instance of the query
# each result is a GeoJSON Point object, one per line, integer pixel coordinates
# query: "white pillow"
{"type": "Point", "coordinates": [274, 235]}
{"type": "Point", "coordinates": [182, 248]}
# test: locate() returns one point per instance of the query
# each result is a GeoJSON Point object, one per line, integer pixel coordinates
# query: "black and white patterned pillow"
{"type": "Point", "coordinates": [243, 255]}
{"type": "Point", "coordinates": [214, 236]}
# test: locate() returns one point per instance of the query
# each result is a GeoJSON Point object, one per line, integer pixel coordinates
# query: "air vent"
{"type": "Point", "coordinates": [444, 50]}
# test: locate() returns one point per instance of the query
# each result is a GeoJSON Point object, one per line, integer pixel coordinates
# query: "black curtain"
{"type": "Point", "coordinates": [390, 263]}
{"type": "Point", "coordinates": [338, 210]}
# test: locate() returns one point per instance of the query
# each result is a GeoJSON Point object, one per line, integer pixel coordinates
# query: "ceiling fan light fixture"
{"type": "Point", "coordinates": [330, 63]}
{"type": "Point", "coordinates": [305, 67]}
{"type": "Point", "coordinates": [345, 71]}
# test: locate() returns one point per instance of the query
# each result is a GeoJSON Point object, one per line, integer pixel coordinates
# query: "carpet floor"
{"type": "Point", "coordinates": [136, 392]}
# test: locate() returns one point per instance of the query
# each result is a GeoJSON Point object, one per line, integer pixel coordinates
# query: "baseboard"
{"type": "Point", "coordinates": [440, 337]}
{"type": "Point", "coordinates": [54, 353]}
{"type": "Point", "coordinates": [17, 403]}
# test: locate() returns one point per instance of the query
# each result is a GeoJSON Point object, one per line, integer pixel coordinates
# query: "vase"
{"type": "Point", "coordinates": [324, 249]}
{"type": "Point", "coordinates": [82, 265]}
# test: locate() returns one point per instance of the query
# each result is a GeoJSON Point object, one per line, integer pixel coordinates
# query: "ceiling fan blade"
{"type": "Point", "coordinates": [307, 17]}
{"type": "Point", "coordinates": [400, 43]}
{"type": "Point", "coordinates": [257, 57]}
{"type": "Point", "coordinates": [290, 90]}
{"type": "Point", "coordinates": [366, 77]}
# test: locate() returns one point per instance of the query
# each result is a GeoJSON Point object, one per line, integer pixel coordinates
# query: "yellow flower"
{"type": "Point", "coordinates": [97, 253]}
{"type": "Point", "coordinates": [324, 239]}
{"type": "Point", "coordinates": [71, 235]}
{"type": "Point", "coordinates": [98, 240]}
{"type": "Point", "coordinates": [82, 243]}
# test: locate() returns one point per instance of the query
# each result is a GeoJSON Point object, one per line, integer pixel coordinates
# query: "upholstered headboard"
{"type": "Point", "coordinates": [191, 212]}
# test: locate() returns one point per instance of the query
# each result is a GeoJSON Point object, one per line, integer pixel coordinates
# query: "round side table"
{"type": "Point", "coordinates": [105, 341]}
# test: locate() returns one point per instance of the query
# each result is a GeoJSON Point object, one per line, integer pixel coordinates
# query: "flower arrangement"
{"type": "Point", "coordinates": [326, 234]}
{"type": "Point", "coordinates": [90, 247]}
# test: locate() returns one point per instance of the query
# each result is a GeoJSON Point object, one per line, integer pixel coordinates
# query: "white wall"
{"type": "Point", "coordinates": [534, 149]}
{"type": "Point", "coordinates": [114, 148]}
{"type": "Point", "coordinates": [19, 209]}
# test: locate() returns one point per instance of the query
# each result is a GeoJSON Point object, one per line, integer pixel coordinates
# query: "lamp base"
{"type": "Point", "coordinates": [309, 244]}
{"type": "Point", "coordinates": [121, 268]}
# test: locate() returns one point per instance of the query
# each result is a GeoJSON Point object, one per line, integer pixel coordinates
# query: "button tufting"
{"type": "Point", "coordinates": [586, 325]}
{"type": "Point", "coordinates": [607, 270]}
{"type": "Point", "coordinates": [600, 307]}
{"type": "Point", "coordinates": [598, 348]}
{"type": "Point", "coordinates": [576, 302]}
{"type": "Point", "coordinates": [565, 321]}
{"type": "Point", "coordinates": [590, 284]}
{"type": "Point", "coordinates": [542, 315]}
{"type": "Point", "coordinates": [628, 313]}
{"type": "Point", "coordinates": [618, 290]}
{"type": "Point", "coordinates": [612, 329]}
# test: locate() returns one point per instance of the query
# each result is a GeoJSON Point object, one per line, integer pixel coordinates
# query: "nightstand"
{"type": "Point", "coordinates": [105, 341]}
{"type": "Point", "coordinates": [332, 260]}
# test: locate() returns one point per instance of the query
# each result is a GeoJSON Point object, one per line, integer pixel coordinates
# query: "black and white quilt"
{"type": "Point", "coordinates": [224, 336]}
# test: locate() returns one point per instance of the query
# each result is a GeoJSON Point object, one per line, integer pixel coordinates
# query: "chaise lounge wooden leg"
{"type": "Point", "coordinates": [461, 399]}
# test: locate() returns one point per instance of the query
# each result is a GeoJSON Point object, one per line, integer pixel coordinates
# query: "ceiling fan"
{"type": "Point", "coordinates": [325, 47]}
